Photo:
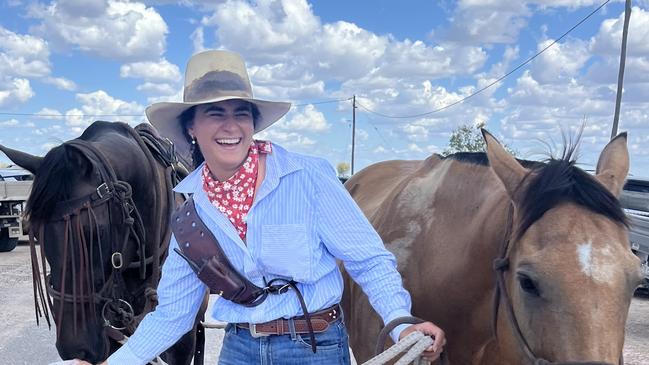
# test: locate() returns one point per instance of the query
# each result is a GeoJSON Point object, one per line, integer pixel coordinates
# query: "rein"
{"type": "Point", "coordinates": [500, 265]}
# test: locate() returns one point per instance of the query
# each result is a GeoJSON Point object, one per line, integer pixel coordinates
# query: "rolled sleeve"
{"type": "Point", "coordinates": [350, 237]}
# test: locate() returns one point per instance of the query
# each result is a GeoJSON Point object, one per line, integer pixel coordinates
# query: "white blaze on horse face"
{"type": "Point", "coordinates": [597, 263]}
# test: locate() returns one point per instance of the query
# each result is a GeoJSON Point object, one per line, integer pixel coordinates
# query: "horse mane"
{"type": "Point", "coordinates": [61, 168]}
{"type": "Point", "coordinates": [553, 182]}
{"type": "Point", "coordinates": [558, 181]}
{"type": "Point", "coordinates": [480, 158]}
{"type": "Point", "coordinates": [54, 180]}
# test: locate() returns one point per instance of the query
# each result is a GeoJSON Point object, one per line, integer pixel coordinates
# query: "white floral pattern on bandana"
{"type": "Point", "coordinates": [234, 196]}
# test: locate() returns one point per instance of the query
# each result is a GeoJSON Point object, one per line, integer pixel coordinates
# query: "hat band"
{"type": "Point", "coordinates": [217, 84]}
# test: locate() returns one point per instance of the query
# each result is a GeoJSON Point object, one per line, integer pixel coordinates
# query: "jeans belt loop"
{"type": "Point", "coordinates": [291, 327]}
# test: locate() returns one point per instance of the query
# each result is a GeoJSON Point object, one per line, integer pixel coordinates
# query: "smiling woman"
{"type": "Point", "coordinates": [281, 220]}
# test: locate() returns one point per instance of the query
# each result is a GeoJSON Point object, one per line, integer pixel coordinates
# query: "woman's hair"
{"type": "Point", "coordinates": [186, 120]}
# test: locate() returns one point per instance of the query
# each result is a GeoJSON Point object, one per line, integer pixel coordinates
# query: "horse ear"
{"type": "Point", "coordinates": [510, 172]}
{"type": "Point", "coordinates": [613, 164]}
{"type": "Point", "coordinates": [29, 162]}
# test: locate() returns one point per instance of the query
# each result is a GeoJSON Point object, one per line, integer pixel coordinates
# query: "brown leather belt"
{"type": "Point", "coordinates": [319, 320]}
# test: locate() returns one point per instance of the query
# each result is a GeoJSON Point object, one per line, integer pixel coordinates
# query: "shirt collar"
{"type": "Point", "coordinates": [278, 164]}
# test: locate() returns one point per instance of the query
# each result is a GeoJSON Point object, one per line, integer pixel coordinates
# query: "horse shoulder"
{"type": "Point", "coordinates": [370, 186]}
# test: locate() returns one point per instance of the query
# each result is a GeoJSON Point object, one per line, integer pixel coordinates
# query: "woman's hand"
{"type": "Point", "coordinates": [428, 328]}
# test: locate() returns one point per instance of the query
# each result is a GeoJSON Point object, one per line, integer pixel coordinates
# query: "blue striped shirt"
{"type": "Point", "coordinates": [301, 221]}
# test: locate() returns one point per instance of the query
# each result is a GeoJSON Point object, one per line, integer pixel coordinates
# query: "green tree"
{"type": "Point", "coordinates": [468, 138]}
{"type": "Point", "coordinates": [343, 169]}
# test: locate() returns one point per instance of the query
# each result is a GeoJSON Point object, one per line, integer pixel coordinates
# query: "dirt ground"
{"type": "Point", "coordinates": [24, 343]}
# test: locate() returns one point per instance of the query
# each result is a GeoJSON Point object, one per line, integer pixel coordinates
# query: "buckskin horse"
{"type": "Point", "coordinates": [99, 209]}
{"type": "Point", "coordinates": [519, 262]}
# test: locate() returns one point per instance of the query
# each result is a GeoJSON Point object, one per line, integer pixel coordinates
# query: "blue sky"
{"type": "Point", "coordinates": [66, 63]}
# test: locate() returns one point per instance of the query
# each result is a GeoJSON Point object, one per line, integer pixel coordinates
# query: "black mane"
{"type": "Point", "coordinates": [480, 158]}
{"type": "Point", "coordinates": [60, 170]}
{"type": "Point", "coordinates": [53, 181]}
{"type": "Point", "coordinates": [560, 181]}
{"type": "Point", "coordinates": [553, 182]}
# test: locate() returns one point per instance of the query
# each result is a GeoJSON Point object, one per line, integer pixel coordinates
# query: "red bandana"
{"type": "Point", "coordinates": [234, 196]}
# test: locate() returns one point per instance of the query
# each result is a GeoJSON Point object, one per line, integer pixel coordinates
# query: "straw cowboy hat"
{"type": "Point", "coordinates": [211, 76]}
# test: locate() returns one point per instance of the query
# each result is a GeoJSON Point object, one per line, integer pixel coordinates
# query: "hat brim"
{"type": "Point", "coordinates": [164, 117]}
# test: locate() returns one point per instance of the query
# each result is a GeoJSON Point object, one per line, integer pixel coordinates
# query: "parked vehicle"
{"type": "Point", "coordinates": [635, 200]}
{"type": "Point", "coordinates": [15, 184]}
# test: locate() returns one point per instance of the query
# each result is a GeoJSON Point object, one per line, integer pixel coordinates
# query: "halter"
{"type": "Point", "coordinates": [116, 195]}
{"type": "Point", "coordinates": [500, 265]}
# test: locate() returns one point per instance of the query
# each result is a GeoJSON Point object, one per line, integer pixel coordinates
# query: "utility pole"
{"type": "Point", "coordinates": [353, 130]}
{"type": "Point", "coordinates": [620, 76]}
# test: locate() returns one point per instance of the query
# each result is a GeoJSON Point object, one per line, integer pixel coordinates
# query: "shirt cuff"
{"type": "Point", "coordinates": [394, 334]}
{"type": "Point", "coordinates": [397, 331]}
{"type": "Point", "coordinates": [125, 356]}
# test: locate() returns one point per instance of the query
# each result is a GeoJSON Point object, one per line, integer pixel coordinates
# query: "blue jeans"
{"type": "Point", "coordinates": [240, 348]}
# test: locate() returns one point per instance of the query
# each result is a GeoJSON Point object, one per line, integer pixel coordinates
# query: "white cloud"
{"type": "Point", "coordinates": [417, 59]}
{"type": "Point", "coordinates": [477, 22]}
{"type": "Point", "coordinates": [570, 4]}
{"type": "Point", "coordinates": [285, 81]}
{"type": "Point", "coordinates": [100, 105]}
{"type": "Point", "coordinates": [267, 28]}
{"type": "Point", "coordinates": [561, 62]}
{"type": "Point", "coordinates": [83, 8]}
{"type": "Point", "coordinates": [609, 37]}
{"type": "Point", "coordinates": [15, 91]}
{"type": "Point", "coordinates": [297, 52]}
{"type": "Point", "coordinates": [61, 83]}
{"type": "Point", "coordinates": [308, 120]}
{"type": "Point", "coordinates": [48, 113]}
{"type": "Point", "coordinates": [291, 140]}
{"type": "Point", "coordinates": [127, 31]}
{"type": "Point", "coordinates": [23, 55]}
{"type": "Point", "coordinates": [160, 71]}
{"type": "Point", "coordinates": [176, 96]}
{"type": "Point", "coordinates": [362, 135]}
{"type": "Point", "coordinates": [49, 145]}
{"type": "Point", "coordinates": [9, 123]}
{"type": "Point", "coordinates": [498, 21]}
{"type": "Point", "coordinates": [152, 88]}
{"type": "Point", "coordinates": [198, 40]}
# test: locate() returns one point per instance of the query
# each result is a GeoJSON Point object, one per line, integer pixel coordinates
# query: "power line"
{"type": "Point", "coordinates": [378, 132]}
{"type": "Point", "coordinates": [322, 102]}
{"type": "Point", "coordinates": [492, 83]}
{"type": "Point", "coordinates": [142, 115]}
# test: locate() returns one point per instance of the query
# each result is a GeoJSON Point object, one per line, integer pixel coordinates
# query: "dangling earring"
{"type": "Point", "coordinates": [193, 140]}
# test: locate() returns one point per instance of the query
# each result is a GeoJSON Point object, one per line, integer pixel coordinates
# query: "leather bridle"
{"type": "Point", "coordinates": [500, 266]}
{"type": "Point", "coordinates": [115, 195]}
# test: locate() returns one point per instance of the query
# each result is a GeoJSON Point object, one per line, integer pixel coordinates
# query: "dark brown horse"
{"type": "Point", "coordinates": [99, 209]}
{"type": "Point", "coordinates": [519, 262]}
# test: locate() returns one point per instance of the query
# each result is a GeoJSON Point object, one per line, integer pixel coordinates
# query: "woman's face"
{"type": "Point", "coordinates": [223, 131]}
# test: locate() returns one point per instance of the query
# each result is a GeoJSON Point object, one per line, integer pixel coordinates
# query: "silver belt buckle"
{"type": "Point", "coordinates": [254, 333]}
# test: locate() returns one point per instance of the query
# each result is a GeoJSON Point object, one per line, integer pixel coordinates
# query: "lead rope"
{"type": "Point", "coordinates": [414, 344]}
{"type": "Point", "coordinates": [417, 341]}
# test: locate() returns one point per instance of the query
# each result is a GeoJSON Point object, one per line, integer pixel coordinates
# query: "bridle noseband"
{"type": "Point", "coordinates": [500, 265]}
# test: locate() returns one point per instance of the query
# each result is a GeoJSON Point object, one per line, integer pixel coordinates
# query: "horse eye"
{"type": "Point", "coordinates": [528, 285]}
